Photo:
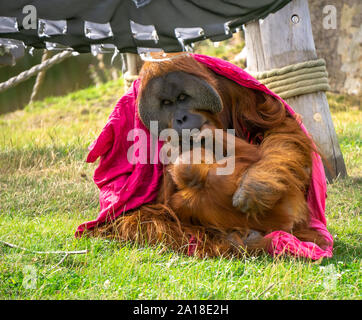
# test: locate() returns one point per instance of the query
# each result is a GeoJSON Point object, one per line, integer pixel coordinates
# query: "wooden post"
{"type": "Point", "coordinates": [134, 64]}
{"type": "Point", "coordinates": [40, 77]}
{"type": "Point", "coordinates": [285, 38]}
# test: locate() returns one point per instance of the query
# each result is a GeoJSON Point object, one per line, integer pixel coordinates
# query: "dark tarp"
{"type": "Point", "coordinates": [129, 24]}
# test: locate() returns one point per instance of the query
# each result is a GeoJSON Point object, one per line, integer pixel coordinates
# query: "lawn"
{"type": "Point", "coordinates": [46, 191]}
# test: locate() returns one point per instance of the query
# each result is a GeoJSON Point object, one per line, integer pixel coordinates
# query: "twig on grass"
{"type": "Point", "coordinates": [59, 263]}
{"type": "Point", "coordinates": [266, 290]}
{"type": "Point", "coordinates": [66, 253]}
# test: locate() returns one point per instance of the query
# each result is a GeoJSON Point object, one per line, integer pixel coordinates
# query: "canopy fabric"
{"type": "Point", "coordinates": [128, 25]}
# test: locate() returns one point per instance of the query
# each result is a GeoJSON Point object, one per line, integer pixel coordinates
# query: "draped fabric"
{"type": "Point", "coordinates": [124, 186]}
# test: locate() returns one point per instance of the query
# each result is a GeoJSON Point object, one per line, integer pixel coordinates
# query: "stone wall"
{"type": "Point", "coordinates": [341, 46]}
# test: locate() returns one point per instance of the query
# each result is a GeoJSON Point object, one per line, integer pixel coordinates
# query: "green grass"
{"type": "Point", "coordinates": [46, 191]}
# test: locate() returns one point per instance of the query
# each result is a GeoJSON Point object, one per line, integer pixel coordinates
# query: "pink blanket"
{"type": "Point", "coordinates": [124, 186]}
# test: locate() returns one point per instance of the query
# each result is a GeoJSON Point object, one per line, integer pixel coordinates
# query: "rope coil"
{"type": "Point", "coordinates": [296, 79]}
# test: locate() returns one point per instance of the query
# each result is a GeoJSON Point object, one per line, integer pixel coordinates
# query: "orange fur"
{"type": "Point", "coordinates": [274, 173]}
{"type": "Point", "coordinates": [201, 197]}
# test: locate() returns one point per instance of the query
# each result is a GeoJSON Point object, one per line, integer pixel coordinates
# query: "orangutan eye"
{"type": "Point", "coordinates": [181, 97]}
{"type": "Point", "coordinates": [166, 102]}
